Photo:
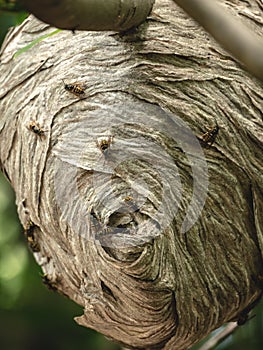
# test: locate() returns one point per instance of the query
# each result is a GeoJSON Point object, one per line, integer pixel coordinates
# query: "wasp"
{"type": "Point", "coordinates": [208, 138]}
{"type": "Point", "coordinates": [104, 144]}
{"type": "Point", "coordinates": [77, 89]}
{"type": "Point", "coordinates": [30, 236]}
{"type": "Point", "coordinates": [243, 318]}
{"type": "Point", "coordinates": [128, 199]}
{"type": "Point", "coordinates": [36, 129]}
{"type": "Point", "coordinates": [48, 283]}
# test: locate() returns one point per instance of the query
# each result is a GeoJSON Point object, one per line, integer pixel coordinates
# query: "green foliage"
{"type": "Point", "coordinates": [11, 14]}
{"type": "Point", "coordinates": [11, 5]}
{"type": "Point", "coordinates": [13, 257]}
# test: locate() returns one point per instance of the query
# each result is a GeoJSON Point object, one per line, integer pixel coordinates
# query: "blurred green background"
{"type": "Point", "coordinates": [33, 317]}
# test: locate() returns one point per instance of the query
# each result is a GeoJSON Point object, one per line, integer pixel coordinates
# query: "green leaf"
{"type": "Point", "coordinates": [34, 42]}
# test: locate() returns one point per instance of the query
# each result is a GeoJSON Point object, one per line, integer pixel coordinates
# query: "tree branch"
{"type": "Point", "coordinates": [113, 15]}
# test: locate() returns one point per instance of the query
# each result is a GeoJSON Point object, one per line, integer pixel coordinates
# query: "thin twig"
{"type": "Point", "coordinates": [230, 32]}
{"type": "Point", "coordinates": [219, 337]}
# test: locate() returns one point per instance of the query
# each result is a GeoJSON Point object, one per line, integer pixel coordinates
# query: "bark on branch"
{"type": "Point", "coordinates": [129, 211]}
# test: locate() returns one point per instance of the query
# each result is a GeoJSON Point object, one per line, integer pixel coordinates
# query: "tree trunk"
{"type": "Point", "coordinates": [133, 205]}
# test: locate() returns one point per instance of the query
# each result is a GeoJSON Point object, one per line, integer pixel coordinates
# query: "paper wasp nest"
{"type": "Point", "coordinates": [154, 228]}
